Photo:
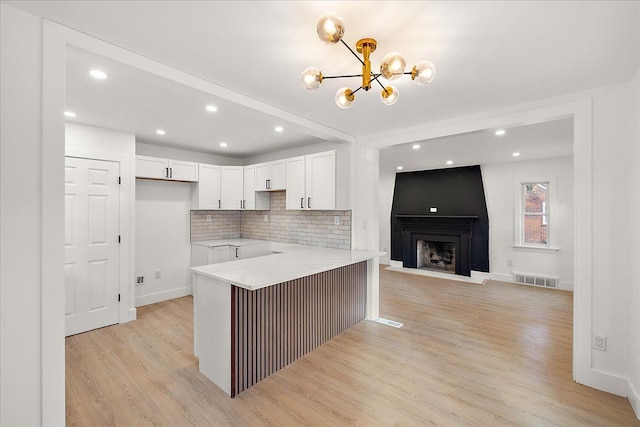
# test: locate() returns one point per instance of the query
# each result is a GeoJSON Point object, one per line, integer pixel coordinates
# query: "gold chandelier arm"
{"type": "Point", "coordinates": [351, 50]}
{"type": "Point", "coordinates": [341, 77]}
{"type": "Point", "coordinates": [376, 77]}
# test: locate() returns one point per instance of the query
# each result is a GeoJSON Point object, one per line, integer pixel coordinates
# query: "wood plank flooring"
{"type": "Point", "coordinates": [468, 355]}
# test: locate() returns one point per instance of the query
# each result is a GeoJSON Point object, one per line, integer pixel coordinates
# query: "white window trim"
{"type": "Point", "coordinates": [518, 240]}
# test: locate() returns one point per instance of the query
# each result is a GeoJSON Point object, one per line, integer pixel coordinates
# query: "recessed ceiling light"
{"type": "Point", "coordinates": [70, 114]}
{"type": "Point", "coordinates": [223, 144]}
{"type": "Point", "coordinates": [279, 129]}
{"type": "Point", "coordinates": [160, 132]}
{"type": "Point", "coordinates": [515, 154]}
{"type": "Point", "coordinates": [449, 162]}
{"type": "Point", "coordinates": [399, 168]}
{"type": "Point", "coordinates": [416, 146]}
{"type": "Point", "coordinates": [98, 74]}
{"type": "Point", "coordinates": [500, 132]}
{"type": "Point", "coordinates": [212, 108]}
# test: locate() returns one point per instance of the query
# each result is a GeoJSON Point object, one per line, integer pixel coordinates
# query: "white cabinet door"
{"type": "Point", "coordinates": [320, 182]}
{"type": "Point", "coordinates": [91, 244]}
{"type": "Point", "coordinates": [231, 187]}
{"type": "Point", "coordinates": [220, 254]}
{"type": "Point", "coordinates": [249, 191]}
{"type": "Point", "coordinates": [206, 192]}
{"type": "Point", "coordinates": [152, 167]}
{"type": "Point", "coordinates": [277, 175]}
{"type": "Point", "coordinates": [295, 196]}
{"type": "Point", "coordinates": [183, 171]}
{"type": "Point", "coordinates": [262, 176]}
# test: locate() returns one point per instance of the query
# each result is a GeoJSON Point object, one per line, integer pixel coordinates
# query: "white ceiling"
{"type": "Point", "coordinates": [487, 54]}
{"type": "Point", "coordinates": [533, 142]}
{"type": "Point", "coordinates": [140, 102]}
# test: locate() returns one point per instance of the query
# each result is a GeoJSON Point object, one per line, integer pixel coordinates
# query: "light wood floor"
{"type": "Point", "coordinates": [482, 355]}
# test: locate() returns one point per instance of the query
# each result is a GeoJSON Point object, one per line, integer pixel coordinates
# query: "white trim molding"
{"type": "Point", "coordinates": [163, 296]}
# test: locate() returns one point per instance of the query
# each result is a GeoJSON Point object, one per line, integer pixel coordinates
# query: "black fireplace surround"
{"type": "Point", "coordinates": [435, 228]}
{"type": "Point", "coordinates": [451, 193]}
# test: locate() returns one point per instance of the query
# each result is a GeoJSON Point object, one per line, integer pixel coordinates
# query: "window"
{"type": "Point", "coordinates": [535, 213]}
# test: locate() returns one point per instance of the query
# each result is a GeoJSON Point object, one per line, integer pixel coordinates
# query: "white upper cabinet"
{"type": "Point", "coordinates": [205, 194]}
{"type": "Point", "coordinates": [158, 168]}
{"type": "Point", "coordinates": [231, 187]}
{"type": "Point", "coordinates": [253, 199]}
{"type": "Point", "coordinates": [311, 181]}
{"type": "Point", "coordinates": [320, 180]}
{"type": "Point", "coordinates": [183, 171]}
{"type": "Point", "coordinates": [295, 194]}
{"type": "Point", "coordinates": [270, 176]}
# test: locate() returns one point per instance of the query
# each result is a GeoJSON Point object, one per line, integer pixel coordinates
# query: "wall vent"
{"type": "Point", "coordinates": [535, 280]}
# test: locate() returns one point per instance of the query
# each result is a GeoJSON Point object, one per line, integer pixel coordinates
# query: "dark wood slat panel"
{"type": "Point", "coordinates": [274, 326]}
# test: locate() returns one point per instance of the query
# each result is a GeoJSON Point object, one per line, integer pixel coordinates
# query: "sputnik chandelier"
{"type": "Point", "coordinates": [330, 30]}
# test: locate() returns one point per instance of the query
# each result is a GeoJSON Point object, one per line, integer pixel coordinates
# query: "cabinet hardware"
{"type": "Point", "coordinates": [166, 173]}
{"type": "Point", "coordinates": [219, 204]}
{"type": "Point", "coordinates": [309, 203]}
{"type": "Point", "coordinates": [301, 202]}
{"type": "Point", "coordinates": [268, 184]}
{"type": "Point", "coordinates": [170, 172]}
{"type": "Point", "coordinates": [237, 252]}
{"type": "Point", "coordinates": [240, 204]}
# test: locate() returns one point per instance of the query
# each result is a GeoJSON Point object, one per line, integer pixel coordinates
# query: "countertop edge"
{"type": "Point", "coordinates": [361, 255]}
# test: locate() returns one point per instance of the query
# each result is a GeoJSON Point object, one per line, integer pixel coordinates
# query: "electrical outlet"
{"type": "Point", "coordinates": [599, 342]}
{"type": "Point", "coordinates": [266, 218]}
{"type": "Point", "coordinates": [158, 275]}
{"type": "Point", "coordinates": [433, 210]}
{"type": "Point", "coordinates": [208, 218]}
{"type": "Point", "coordinates": [509, 263]}
{"type": "Point", "coordinates": [336, 220]}
{"type": "Point", "coordinates": [140, 280]}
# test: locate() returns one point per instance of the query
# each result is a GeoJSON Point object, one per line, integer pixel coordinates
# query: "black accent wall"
{"type": "Point", "coordinates": [454, 191]}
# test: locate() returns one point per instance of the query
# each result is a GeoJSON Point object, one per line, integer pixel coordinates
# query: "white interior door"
{"type": "Point", "coordinates": [91, 244]}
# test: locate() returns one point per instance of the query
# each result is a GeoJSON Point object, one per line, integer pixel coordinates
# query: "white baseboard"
{"type": "Point", "coordinates": [162, 296]}
{"type": "Point", "coordinates": [480, 275]}
{"type": "Point", "coordinates": [384, 260]}
{"type": "Point", "coordinates": [133, 315]}
{"type": "Point", "coordinates": [428, 273]}
{"type": "Point", "coordinates": [634, 398]}
{"type": "Point", "coordinates": [608, 382]}
{"type": "Point", "coordinates": [394, 263]}
{"type": "Point", "coordinates": [502, 277]}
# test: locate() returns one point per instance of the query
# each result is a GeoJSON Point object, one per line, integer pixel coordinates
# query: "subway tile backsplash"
{"type": "Point", "coordinates": [223, 225]}
{"type": "Point", "coordinates": [313, 228]}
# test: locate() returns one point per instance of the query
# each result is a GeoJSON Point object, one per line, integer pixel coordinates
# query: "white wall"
{"type": "Point", "coordinates": [500, 181]}
{"type": "Point", "coordinates": [20, 218]}
{"type": "Point", "coordinates": [387, 182]}
{"type": "Point", "coordinates": [162, 240]}
{"type": "Point", "coordinates": [634, 253]}
{"type": "Point", "coordinates": [107, 144]}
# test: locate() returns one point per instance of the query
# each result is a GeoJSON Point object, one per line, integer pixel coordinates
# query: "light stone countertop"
{"type": "Point", "coordinates": [288, 262]}
{"type": "Point", "coordinates": [229, 242]}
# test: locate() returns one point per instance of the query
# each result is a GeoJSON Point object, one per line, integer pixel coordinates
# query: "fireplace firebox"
{"type": "Point", "coordinates": [446, 242]}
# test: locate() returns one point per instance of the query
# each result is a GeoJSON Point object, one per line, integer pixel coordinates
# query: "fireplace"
{"type": "Point", "coordinates": [436, 256]}
{"type": "Point", "coordinates": [448, 238]}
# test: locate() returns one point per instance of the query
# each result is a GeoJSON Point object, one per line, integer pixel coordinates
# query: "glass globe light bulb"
{"type": "Point", "coordinates": [311, 78]}
{"type": "Point", "coordinates": [330, 28]}
{"type": "Point", "coordinates": [389, 95]}
{"type": "Point", "coordinates": [423, 72]}
{"type": "Point", "coordinates": [392, 65]}
{"type": "Point", "coordinates": [345, 98]}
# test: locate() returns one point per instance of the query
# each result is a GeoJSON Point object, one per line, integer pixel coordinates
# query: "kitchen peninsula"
{"type": "Point", "coordinates": [255, 316]}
